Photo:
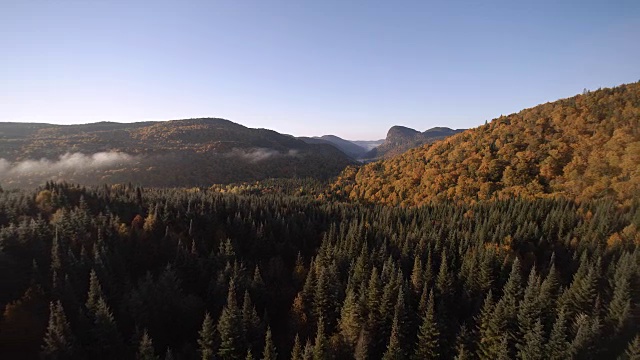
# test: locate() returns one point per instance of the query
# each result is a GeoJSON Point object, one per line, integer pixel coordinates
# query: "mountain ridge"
{"type": "Point", "coordinates": [401, 138]}
{"type": "Point", "coordinates": [189, 152]}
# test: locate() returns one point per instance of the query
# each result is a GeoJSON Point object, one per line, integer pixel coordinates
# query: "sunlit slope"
{"type": "Point", "coordinates": [583, 147]}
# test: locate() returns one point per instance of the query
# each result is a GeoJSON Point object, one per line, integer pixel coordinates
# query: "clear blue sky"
{"type": "Point", "coordinates": [350, 68]}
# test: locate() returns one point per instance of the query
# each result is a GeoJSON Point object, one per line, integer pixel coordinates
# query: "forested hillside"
{"type": "Point", "coordinates": [581, 148]}
{"type": "Point", "coordinates": [194, 152]}
{"type": "Point", "coordinates": [266, 271]}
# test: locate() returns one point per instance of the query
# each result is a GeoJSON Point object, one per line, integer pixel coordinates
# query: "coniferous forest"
{"type": "Point", "coordinates": [276, 270]}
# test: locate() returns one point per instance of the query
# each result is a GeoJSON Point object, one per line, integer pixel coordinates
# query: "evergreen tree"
{"type": "Point", "coordinates": [106, 341]}
{"type": "Point", "coordinates": [394, 348]}
{"type": "Point", "coordinates": [533, 344]}
{"type": "Point", "coordinates": [428, 334]}
{"type": "Point", "coordinates": [95, 292]}
{"type": "Point", "coordinates": [230, 328]}
{"type": "Point", "coordinates": [558, 347]}
{"type": "Point", "coordinates": [321, 346]}
{"type": "Point", "coordinates": [58, 339]}
{"type": "Point", "coordinates": [249, 355]}
{"type": "Point", "coordinates": [269, 352]}
{"type": "Point", "coordinates": [350, 319]}
{"type": "Point", "coordinates": [205, 341]}
{"type": "Point", "coordinates": [297, 351]}
{"type": "Point", "coordinates": [584, 342]}
{"type": "Point", "coordinates": [145, 349]}
{"type": "Point", "coordinates": [633, 350]}
{"type": "Point", "coordinates": [490, 330]}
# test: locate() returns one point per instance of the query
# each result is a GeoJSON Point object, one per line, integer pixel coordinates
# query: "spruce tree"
{"type": "Point", "coordinates": [558, 347]}
{"type": "Point", "coordinates": [106, 342]}
{"type": "Point", "coordinates": [633, 350]}
{"type": "Point", "coordinates": [58, 339]}
{"type": "Point", "coordinates": [95, 292]}
{"type": "Point", "coordinates": [533, 345]}
{"type": "Point", "coordinates": [394, 347]}
{"type": "Point", "coordinates": [230, 328]}
{"type": "Point", "coordinates": [350, 319]}
{"type": "Point", "coordinates": [321, 346]}
{"type": "Point", "coordinates": [428, 334]}
{"type": "Point", "coordinates": [297, 351]}
{"type": "Point", "coordinates": [206, 337]}
{"type": "Point", "coordinates": [145, 349]}
{"type": "Point", "coordinates": [269, 352]}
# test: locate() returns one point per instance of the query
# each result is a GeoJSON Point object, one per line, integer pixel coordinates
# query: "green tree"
{"type": "Point", "coordinates": [321, 346]}
{"type": "Point", "coordinates": [558, 347]}
{"type": "Point", "coordinates": [633, 350]}
{"type": "Point", "coordinates": [58, 339]}
{"type": "Point", "coordinates": [269, 352]}
{"type": "Point", "coordinates": [297, 351]}
{"type": "Point", "coordinates": [206, 337]}
{"type": "Point", "coordinates": [428, 334]}
{"type": "Point", "coordinates": [394, 348]}
{"type": "Point", "coordinates": [106, 342]}
{"type": "Point", "coordinates": [230, 328]}
{"type": "Point", "coordinates": [145, 349]}
{"type": "Point", "coordinates": [533, 344]}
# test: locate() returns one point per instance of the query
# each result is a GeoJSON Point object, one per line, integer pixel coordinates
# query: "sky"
{"type": "Point", "coordinates": [308, 67]}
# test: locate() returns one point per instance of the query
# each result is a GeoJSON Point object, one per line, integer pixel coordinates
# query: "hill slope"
{"type": "Point", "coordinates": [400, 139]}
{"type": "Point", "coordinates": [583, 147]}
{"type": "Point", "coordinates": [349, 148]}
{"type": "Point", "coordinates": [172, 153]}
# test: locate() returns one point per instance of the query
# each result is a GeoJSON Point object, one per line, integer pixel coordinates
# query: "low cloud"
{"type": "Point", "coordinates": [67, 163]}
{"type": "Point", "coordinates": [260, 154]}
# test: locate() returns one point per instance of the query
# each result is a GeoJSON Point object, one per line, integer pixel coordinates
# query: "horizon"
{"type": "Point", "coordinates": [308, 69]}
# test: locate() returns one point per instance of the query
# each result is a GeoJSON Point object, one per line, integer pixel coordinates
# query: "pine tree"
{"type": "Point", "coordinates": [557, 348]}
{"type": "Point", "coordinates": [350, 319]}
{"type": "Point", "coordinates": [462, 352]}
{"type": "Point", "coordinates": [584, 342]}
{"type": "Point", "coordinates": [308, 351]}
{"type": "Point", "coordinates": [145, 349]}
{"type": "Point", "coordinates": [106, 342]}
{"type": "Point", "coordinates": [58, 340]}
{"type": "Point", "coordinates": [394, 348]}
{"type": "Point", "coordinates": [532, 347]}
{"type": "Point", "coordinates": [320, 347]}
{"type": "Point", "coordinates": [489, 330]}
{"type": "Point", "coordinates": [529, 309]}
{"type": "Point", "coordinates": [205, 341]}
{"type": "Point", "coordinates": [230, 328]}
{"type": "Point", "coordinates": [296, 352]}
{"type": "Point", "coordinates": [620, 306]}
{"type": "Point", "coordinates": [251, 321]}
{"type": "Point", "coordinates": [428, 334]}
{"type": "Point", "coordinates": [633, 350]}
{"type": "Point", "coordinates": [249, 355]}
{"type": "Point", "coordinates": [95, 292]}
{"type": "Point", "coordinates": [269, 352]}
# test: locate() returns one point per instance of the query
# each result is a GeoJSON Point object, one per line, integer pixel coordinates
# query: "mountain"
{"type": "Point", "coordinates": [584, 147]}
{"type": "Point", "coordinates": [172, 153]}
{"type": "Point", "coordinates": [400, 139]}
{"type": "Point", "coordinates": [353, 150]}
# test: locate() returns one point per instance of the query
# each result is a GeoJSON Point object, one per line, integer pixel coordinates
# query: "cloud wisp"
{"type": "Point", "coordinates": [260, 154]}
{"type": "Point", "coordinates": [67, 163]}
